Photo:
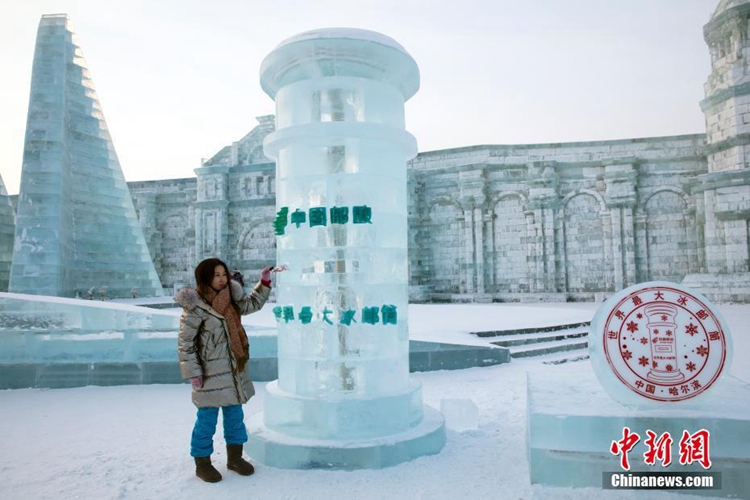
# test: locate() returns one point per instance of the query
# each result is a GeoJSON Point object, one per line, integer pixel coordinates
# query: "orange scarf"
{"type": "Point", "coordinates": [222, 303]}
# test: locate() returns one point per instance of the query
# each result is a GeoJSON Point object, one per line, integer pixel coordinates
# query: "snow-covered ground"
{"type": "Point", "coordinates": [133, 441]}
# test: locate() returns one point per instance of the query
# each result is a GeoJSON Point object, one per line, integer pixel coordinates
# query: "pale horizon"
{"type": "Point", "coordinates": [178, 80]}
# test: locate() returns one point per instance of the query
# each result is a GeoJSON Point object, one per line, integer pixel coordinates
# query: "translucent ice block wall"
{"type": "Point", "coordinates": [41, 329]}
{"type": "Point", "coordinates": [341, 152]}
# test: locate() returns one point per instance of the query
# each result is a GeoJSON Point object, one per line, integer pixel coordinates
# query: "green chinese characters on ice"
{"type": "Point", "coordinates": [298, 217]}
{"type": "Point", "coordinates": [318, 217]}
{"type": "Point", "coordinates": [370, 315]}
{"type": "Point", "coordinates": [279, 224]}
{"type": "Point", "coordinates": [362, 214]}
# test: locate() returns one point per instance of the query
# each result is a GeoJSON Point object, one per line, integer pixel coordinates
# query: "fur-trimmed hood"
{"type": "Point", "coordinates": [190, 299]}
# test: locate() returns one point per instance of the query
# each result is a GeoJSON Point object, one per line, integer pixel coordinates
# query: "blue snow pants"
{"type": "Point", "coordinates": [202, 443]}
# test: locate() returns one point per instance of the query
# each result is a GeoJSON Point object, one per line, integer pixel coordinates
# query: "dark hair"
{"type": "Point", "coordinates": [204, 275]}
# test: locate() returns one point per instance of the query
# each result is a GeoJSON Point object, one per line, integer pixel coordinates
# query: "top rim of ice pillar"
{"type": "Point", "coordinates": [304, 56]}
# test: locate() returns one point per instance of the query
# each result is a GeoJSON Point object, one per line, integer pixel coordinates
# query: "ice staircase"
{"type": "Point", "coordinates": [557, 343]}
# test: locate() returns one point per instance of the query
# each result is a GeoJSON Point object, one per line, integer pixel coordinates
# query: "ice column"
{"type": "Point", "coordinates": [341, 224]}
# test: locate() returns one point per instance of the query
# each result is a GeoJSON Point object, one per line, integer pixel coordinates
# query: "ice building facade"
{"type": "Point", "coordinates": [76, 226]}
{"type": "Point", "coordinates": [7, 229]}
{"type": "Point", "coordinates": [527, 222]}
{"type": "Point", "coordinates": [564, 221]}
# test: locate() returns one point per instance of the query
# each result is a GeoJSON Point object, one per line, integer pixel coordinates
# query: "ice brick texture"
{"type": "Point", "coordinates": [341, 151]}
{"type": "Point", "coordinates": [76, 226]}
{"type": "Point", "coordinates": [7, 230]}
{"type": "Point", "coordinates": [557, 221]}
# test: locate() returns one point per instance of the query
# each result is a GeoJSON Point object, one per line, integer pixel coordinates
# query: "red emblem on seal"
{"type": "Point", "coordinates": [664, 343]}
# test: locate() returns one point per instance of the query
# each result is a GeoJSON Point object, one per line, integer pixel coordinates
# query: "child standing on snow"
{"type": "Point", "coordinates": [214, 352]}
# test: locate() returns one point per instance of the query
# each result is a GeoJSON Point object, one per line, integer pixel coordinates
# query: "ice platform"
{"type": "Point", "coordinates": [285, 452]}
{"type": "Point", "coordinates": [51, 342]}
{"type": "Point", "coordinates": [56, 361]}
{"type": "Point", "coordinates": [572, 423]}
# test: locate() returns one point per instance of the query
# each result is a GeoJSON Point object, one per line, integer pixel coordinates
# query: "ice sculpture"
{"type": "Point", "coordinates": [7, 228]}
{"type": "Point", "coordinates": [661, 353]}
{"type": "Point", "coordinates": [76, 227]}
{"type": "Point", "coordinates": [344, 398]}
{"type": "Point", "coordinates": [659, 342]}
{"type": "Point", "coordinates": [572, 423]}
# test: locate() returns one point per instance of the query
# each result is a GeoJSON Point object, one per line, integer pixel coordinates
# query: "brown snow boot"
{"type": "Point", "coordinates": [235, 461]}
{"type": "Point", "coordinates": [205, 470]}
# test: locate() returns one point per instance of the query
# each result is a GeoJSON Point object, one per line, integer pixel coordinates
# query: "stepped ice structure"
{"type": "Point", "coordinates": [344, 398]}
{"type": "Point", "coordinates": [7, 229]}
{"type": "Point", "coordinates": [76, 226]}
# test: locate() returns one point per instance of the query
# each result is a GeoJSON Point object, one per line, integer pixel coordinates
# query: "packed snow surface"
{"type": "Point", "coordinates": [133, 441]}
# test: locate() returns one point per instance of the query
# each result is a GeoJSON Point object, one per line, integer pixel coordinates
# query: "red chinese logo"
{"type": "Point", "coordinates": [693, 448]}
{"type": "Point", "coordinates": [664, 344]}
{"type": "Point", "coordinates": [623, 446]}
{"type": "Point", "coordinates": [658, 449]}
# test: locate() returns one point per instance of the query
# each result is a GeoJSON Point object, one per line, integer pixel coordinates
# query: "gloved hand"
{"type": "Point", "coordinates": [197, 382]}
{"type": "Point", "coordinates": [265, 274]}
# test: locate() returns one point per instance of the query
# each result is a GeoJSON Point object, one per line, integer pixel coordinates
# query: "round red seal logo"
{"type": "Point", "coordinates": [661, 341]}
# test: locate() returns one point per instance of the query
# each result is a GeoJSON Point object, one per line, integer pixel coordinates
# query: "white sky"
{"type": "Point", "coordinates": [178, 79]}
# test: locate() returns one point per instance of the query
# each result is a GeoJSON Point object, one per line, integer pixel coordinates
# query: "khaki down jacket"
{"type": "Point", "coordinates": [203, 347]}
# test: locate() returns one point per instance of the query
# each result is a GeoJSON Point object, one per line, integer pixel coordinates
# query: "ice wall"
{"type": "Point", "coordinates": [36, 329]}
{"type": "Point", "coordinates": [54, 342]}
{"type": "Point", "coordinates": [7, 228]}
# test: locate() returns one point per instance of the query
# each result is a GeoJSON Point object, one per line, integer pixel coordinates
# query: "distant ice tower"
{"type": "Point", "coordinates": [7, 229]}
{"type": "Point", "coordinates": [76, 227]}
{"type": "Point", "coordinates": [344, 398]}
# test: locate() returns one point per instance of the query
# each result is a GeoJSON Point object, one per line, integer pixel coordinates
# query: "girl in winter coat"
{"type": "Point", "coordinates": [214, 352]}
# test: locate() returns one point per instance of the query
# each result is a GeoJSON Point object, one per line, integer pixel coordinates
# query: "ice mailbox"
{"type": "Point", "coordinates": [344, 398]}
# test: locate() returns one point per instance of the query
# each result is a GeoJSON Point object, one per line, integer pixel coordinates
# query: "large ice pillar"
{"type": "Point", "coordinates": [344, 398]}
{"type": "Point", "coordinates": [76, 226]}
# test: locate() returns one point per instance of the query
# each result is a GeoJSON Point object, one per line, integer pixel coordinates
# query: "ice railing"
{"type": "Point", "coordinates": [43, 329]}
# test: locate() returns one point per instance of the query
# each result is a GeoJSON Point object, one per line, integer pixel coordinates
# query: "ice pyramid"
{"type": "Point", "coordinates": [7, 228]}
{"type": "Point", "coordinates": [76, 227]}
